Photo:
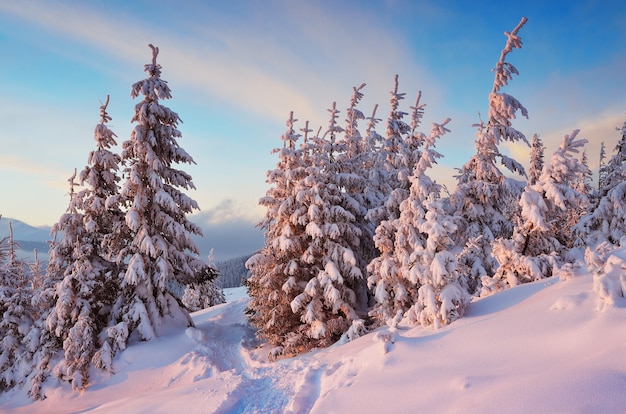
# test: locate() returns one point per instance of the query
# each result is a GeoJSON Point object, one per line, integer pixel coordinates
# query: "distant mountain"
{"type": "Point", "coordinates": [28, 237]}
{"type": "Point", "coordinates": [23, 231]}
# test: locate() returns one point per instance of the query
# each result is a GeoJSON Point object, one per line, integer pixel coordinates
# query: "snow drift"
{"type": "Point", "coordinates": [548, 346]}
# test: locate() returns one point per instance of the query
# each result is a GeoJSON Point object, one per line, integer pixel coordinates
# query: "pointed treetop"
{"type": "Point", "coordinates": [417, 112]}
{"type": "Point", "coordinates": [104, 117]}
{"type": "Point", "coordinates": [153, 68]}
{"type": "Point", "coordinates": [357, 95]}
{"type": "Point", "coordinates": [395, 96]}
{"type": "Point", "coordinates": [305, 131]}
{"type": "Point", "coordinates": [504, 70]}
{"type": "Point", "coordinates": [155, 52]}
{"type": "Point", "coordinates": [372, 120]}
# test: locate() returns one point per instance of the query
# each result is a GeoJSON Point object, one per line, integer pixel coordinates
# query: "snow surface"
{"type": "Point", "coordinates": [543, 347]}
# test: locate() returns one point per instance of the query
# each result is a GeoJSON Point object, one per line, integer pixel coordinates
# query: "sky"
{"type": "Point", "coordinates": [236, 69]}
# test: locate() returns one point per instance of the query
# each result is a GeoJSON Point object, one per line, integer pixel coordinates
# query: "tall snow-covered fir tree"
{"type": "Point", "coordinates": [584, 180]}
{"type": "Point", "coordinates": [16, 310]}
{"type": "Point", "coordinates": [615, 174]}
{"type": "Point", "coordinates": [277, 272]}
{"type": "Point", "coordinates": [483, 193]}
{"type": "Point", "coordinates": [41, 342]}
{"type": "Point", "coordinates": [562, 203]}
{"type": "Point", "coordinates": [602, 168]}
{"type": "Point", "coordinates": [393, 163]}
{"type": "Point", "coordinates": [330, 305]}
{"type": "Point", "coordinates": [607, 222]}
{"type": "Point", "coordinates": [90, 280]}
{"type": "Point", "coordinates": [537, 150]}
{"type": "Point", "coordinates": [406, 278]}
{"type": "Point", "coordinates": [160, 247]}
{"type": "Point", "coordinates": [354, 179]}
{"type": "Point", "coordinates": [378, 185]}
{"type": "Point", "coordinates": [550, 210]}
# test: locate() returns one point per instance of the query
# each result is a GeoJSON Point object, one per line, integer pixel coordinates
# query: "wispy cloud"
{"type": "Point", "coordinates": [295, 56]}
{"type": "Point", "coordinates": [227, 210]}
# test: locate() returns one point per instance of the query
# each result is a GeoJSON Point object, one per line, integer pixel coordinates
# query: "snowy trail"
{"type": "Point", "coordinates": [225, 343]}
{"type": "Point", "coordinates": [228, 344]}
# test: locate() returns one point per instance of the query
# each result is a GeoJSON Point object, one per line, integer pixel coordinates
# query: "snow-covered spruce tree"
{"type": "Point", "coordinates": [378, 186]}
{"type": "Point", "coordinates": [483, 193]}
{"type": "Point", "coordinates": [36, 271]}
{"type": "Point", "coordinates": [205, 291]}
{"type": "Point", "coordinates": [550, 210]}
{"type": "Point", "coordinates": [41, 342]}
{"type": "Point", "coordinates": [584, 182]}
{"type": "Point", "coordinates": [329, 306]}
{"type": "Point", "coordinates": [392, 164]}
{"type": "Point", "coordinates": [537, 150]}
{"type": "Point", "coordinates": [90, 280]}
{"type": "Point", "coordinates": [441, 297]}
{"type": "Point", "coordinates": [615, 172]}
{"type": "Point", "coordinates": [353, 177]}
{"type": "Point", "coordinates": [564, 203]}
{"type": "Point", "coordinates": [607, 222]}
{"type": "Point", "coordinates": [407, 278]}
{"type": "Point", "coordinates": [15, 307]}
{"type": "Point", "coordinates": [160, 247]}
{"type": "Point", "coordinates": [602, 168]}
{"type": "Point", "coordinates": [277, 272]}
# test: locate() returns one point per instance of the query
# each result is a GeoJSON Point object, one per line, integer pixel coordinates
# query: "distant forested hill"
{"type": "Point", "coordinates": [232, 271]}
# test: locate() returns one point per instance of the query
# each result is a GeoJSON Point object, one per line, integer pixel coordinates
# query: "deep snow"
{"type": "Point", "coordinates": [550, 346]}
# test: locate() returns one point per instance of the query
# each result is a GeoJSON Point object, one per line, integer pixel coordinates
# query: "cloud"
{"type": "Point", "coordinates": [230, 239]}
{"type": "Point", "coordinates": [227, 210]}
{"type": "Point", "coordinates": [268, 62]}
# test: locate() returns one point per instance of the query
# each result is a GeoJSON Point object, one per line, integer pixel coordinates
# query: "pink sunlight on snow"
{"type": "Point", "coordinates": [556, 345]}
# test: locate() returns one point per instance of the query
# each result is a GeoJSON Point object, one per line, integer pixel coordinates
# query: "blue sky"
{"type": "Point", "coordinates": [237, 68]}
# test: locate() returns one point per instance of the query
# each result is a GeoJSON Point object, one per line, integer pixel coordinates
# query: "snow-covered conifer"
{"type": "Point", "coordinates": [608, 220]}
{"type": "Point", "coordinates": [41, 342]}
{"type": "Point", "coordinates": [394, 153]}
{"type": "Point", "coordinates": [277, 272]}
{"type": "Point", "coordinates": [483, 193]}
{"type": "Point", "coordinates": [441, 297]}
{"type": "Point", "coordinates": [90, 284]}
{"type": "Point", "coordinates": [15, 307]}
{"type": "Point", "coordinates": [536, 159]}
{"type": "Point", "coordinates": [37, 273]}
{"type": "Point", "coordinates": [615, 172]}
{"type": "Point", "coordinates": [353, 177]}
{"type": "Point", "coordinates": [557, 186]}
{"type": "Point", "coordinates": [378, 185]}
{"type": "Point", "coordinates": [550, 209]}
{"type": "Point", "coordinates": [409, 244]}
{"type": "Point", "coordinates": [584, 180]}
{"type": "Point", "coordinates": [329, 305]}
{"type": "Point", "coordinates": [602, 167]}
{"type": "Point", "coordinates": [160, 246]}
{"type": "Point", "coordinates": [204, 292]}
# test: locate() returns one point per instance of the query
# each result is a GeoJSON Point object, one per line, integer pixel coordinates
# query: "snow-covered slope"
{"type": "Point", "coordinates": [544, 347]}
